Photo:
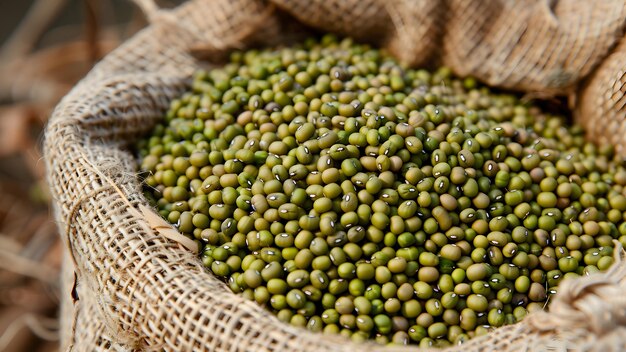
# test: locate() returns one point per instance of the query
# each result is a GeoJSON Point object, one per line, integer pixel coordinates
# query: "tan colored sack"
{"type": "Point", "coordinates": [135, 289]}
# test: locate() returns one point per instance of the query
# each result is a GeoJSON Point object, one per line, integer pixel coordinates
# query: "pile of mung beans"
{"type": "Point", "coordinates": [350, 194]}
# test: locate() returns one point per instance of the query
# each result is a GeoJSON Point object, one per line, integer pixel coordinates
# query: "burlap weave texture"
{"type": "Point", "coordinates": [129, 288]}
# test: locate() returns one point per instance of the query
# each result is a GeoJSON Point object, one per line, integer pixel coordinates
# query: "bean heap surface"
{"type": "Point", "coordinates": [350, 194]}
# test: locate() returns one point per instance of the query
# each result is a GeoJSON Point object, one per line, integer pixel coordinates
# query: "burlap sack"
{"type": "Point", "coordinates": [129, 287]}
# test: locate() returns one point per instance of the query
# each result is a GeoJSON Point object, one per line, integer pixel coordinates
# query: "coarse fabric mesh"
{"type": "Point", "coordinates": [128, 287]}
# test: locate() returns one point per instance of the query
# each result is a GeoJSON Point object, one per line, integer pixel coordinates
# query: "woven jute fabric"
{"type": "Point", "coordinates": [128, 287]}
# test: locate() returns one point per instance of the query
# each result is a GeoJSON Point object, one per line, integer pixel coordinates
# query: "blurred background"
{"type": "Point", "coordinates": [46, 46]}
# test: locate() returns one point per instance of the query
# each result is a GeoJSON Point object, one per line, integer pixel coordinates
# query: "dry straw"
{"type": "Point", "coordinates": [130, 285]}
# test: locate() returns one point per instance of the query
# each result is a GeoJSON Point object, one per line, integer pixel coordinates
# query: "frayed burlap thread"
{"type": "Point", "coordinates": [129, 285]}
